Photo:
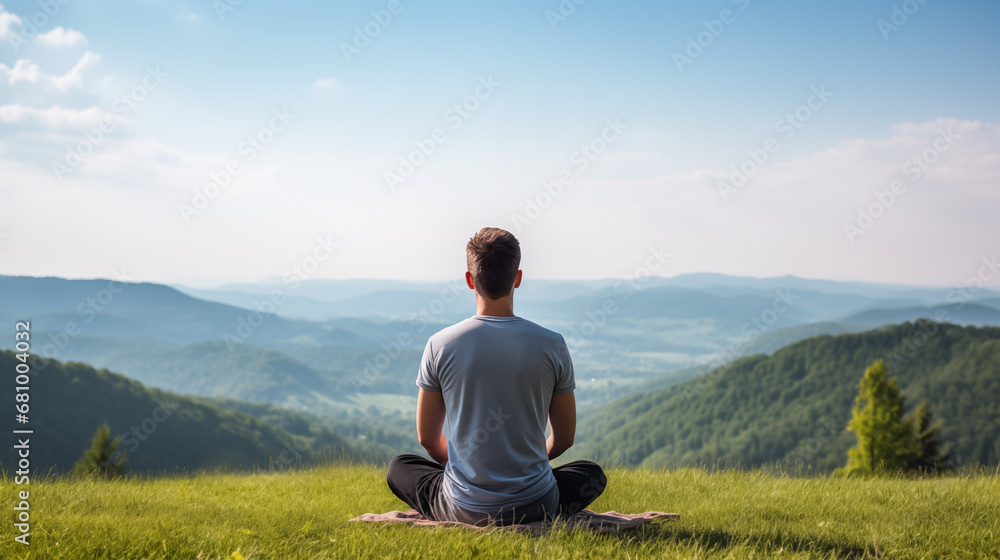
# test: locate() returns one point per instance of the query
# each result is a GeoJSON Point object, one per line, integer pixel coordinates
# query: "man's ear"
{"type": "Point", "coordinates": [468, 280]}
{"type": "Point", "coordinates": [517, 279]}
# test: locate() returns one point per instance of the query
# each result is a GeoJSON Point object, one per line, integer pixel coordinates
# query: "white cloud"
{"type": "Point", "coordinates": [7, 21]}
{"type": "Point", "coordinates": [55, 117]}
{"type": "Point", "coordinates": [325, 84]}
{"type": "Point", "coordinates": [75, 75]}
{"type": "Point", "coordinates": [853, 168]}
{"type": "Point", "coordinates": [23, 71]}
{"type": "Point", "coordinates": [26, 71]}
{"type": "Point", "coordinates": [60, 37]}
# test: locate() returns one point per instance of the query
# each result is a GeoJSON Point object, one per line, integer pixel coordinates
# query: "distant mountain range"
{"type": "Point", "coordinates": [141, 311]}
{"type": "Point", "coordinates": [321, 299]}
{"type": "Point", "coordinates": [968, 314]}
{"type": "Point", "coordinates": [623, 336]}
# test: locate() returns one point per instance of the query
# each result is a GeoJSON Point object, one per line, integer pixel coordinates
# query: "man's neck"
{"type": "Point", "coordinates": [503, 307]}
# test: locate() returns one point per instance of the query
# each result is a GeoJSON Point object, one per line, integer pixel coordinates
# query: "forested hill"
{"type": "Point", "coordinates": [163, 431]}
{"type": "Point", "coordinates": [793, 406]}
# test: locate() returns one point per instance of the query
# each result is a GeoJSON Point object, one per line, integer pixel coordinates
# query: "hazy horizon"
{"type": "Point", "coordinates": [215, 284]}
{"type": "Point", "coordinates": [848, 141]}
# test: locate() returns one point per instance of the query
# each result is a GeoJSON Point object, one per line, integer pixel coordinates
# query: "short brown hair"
{"type": "Point", "coordinates": [493, 256]}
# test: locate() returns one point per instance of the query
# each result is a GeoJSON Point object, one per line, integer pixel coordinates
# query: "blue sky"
{"type": "Point", "coordinates": [199, 83]}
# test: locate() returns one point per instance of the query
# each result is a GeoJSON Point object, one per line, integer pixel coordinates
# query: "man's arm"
{"type": "Point", "coordinates": [562, 419]}
{"type": "Point", "coordinates": [430, 420]}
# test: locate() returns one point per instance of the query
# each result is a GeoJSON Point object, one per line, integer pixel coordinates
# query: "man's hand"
{"type": "Point", "coordinates": [430, 420]}
{"type": "Point", "coordinates": [562, 419]}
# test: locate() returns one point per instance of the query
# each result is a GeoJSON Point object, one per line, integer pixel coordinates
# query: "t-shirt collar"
{"type": "Point", "coordinates": [496, 318]}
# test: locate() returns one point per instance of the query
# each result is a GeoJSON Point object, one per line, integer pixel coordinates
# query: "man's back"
{"type": "Point", "coordinates": [491, 382]}
{"type": "Point", "coordinates": [496, 376]}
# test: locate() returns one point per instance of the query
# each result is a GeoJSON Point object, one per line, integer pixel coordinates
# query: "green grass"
{"type": "Point", "coordinates": [304, 514]}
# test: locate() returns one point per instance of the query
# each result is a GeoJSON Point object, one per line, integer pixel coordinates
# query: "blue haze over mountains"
{"type": "Point", "coordinates": [349, 349]}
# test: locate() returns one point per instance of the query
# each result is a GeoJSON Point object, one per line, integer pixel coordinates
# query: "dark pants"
{"type": "Point", "coordinates": [417, 481]}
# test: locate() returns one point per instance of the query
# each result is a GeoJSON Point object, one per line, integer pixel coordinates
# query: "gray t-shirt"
{"type": "Point", "coordinates": [496, 376]}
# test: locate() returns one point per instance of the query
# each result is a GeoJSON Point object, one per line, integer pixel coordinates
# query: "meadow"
{"type": "Point", "coordinates": [304, 513]}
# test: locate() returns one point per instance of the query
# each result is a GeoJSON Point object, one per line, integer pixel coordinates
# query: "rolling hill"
{"type": "Point", "coordinates": [161, 431]}
{"type": "Point", "coordinates": [211, 369]}
{"type": "Point", "coordinates": [146, 312]}
{"type": "Point", "coordinates": [793, 406]}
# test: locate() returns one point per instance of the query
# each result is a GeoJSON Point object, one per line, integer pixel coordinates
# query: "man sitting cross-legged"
{"type": "Point", "coordinates": [496, 378]}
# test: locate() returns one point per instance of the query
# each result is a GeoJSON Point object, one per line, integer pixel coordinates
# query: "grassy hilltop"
{"type": "Point", "coordinates": [304, 514]}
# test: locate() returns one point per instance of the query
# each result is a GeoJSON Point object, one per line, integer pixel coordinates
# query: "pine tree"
{"type": "Point", "coordinates": [103, 457]}
{"type": "Point", "coordinates": [885, 441]}
{"type": "Point", "coordinates": [930, 459]}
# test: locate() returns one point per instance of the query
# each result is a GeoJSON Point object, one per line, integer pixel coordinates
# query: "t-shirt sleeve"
{"type": "Point", "coordinates": [427, 375]}
{"type": "Point", "coordinates": [565, 380]}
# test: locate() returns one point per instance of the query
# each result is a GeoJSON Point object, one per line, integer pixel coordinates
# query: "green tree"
{"type": "Point", "coordinates": [103, 458]}
{"type": "Point", "coordinates": [885, 440]}
{"type": "Point", "coordinates": [930, 458]}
